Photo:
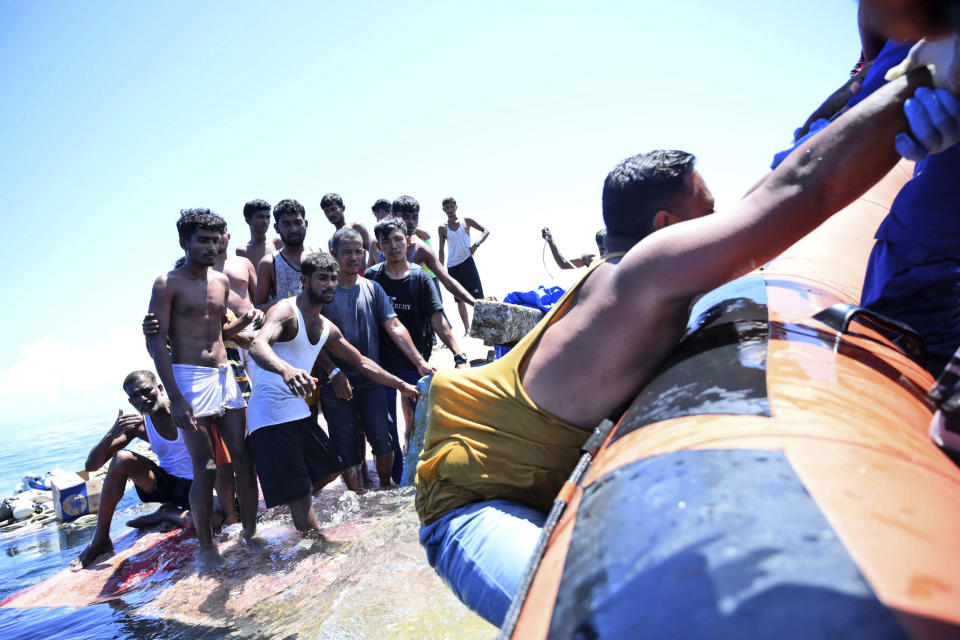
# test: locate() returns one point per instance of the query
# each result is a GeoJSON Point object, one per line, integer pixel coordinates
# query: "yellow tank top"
{"type": "Point", "coordinates": [486, 438]}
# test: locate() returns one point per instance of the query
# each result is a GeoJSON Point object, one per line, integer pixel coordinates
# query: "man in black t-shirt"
{"type": "Point", "coordinates": [417, 305]}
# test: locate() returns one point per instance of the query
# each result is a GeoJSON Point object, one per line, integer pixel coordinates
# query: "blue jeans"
{"type": "Point", "coordinates": [481, 551]}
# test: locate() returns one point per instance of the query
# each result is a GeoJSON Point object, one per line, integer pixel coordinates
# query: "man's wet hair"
{"type": "Point", "coordinates": [137, 375]}
{"type": "Point", "coordinates": [382, 203]}
{"type": "Point", "coordinates": [448, 200]}
{"type": "Point", "coordinates": [193, 220]}
{"type": "Point", "coordinates": [348, 233]}
{"type": "Point", "coordinates": [601, 239]}
{"type": "Point", "coordinates": [254, 206]}
{"type": "Point", "coordinates": [639, 187]}
{"type": "Point", "coordinates": [331, 199]}
{"type": "Point", "coordinates": [405, 204]}
{"type": "Point", "coordinates": [318, 261]}
{"type": "Point", "coordinates": [288, 207]}
{"type": "Point", "coordinates": [388, 225]}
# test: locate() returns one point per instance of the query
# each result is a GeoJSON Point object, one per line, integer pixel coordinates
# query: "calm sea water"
{"type": "Point", "coordinates": [356, 594]}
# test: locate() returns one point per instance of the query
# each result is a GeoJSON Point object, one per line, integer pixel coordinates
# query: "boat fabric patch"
{"type": "Point", "coordinates": [711, 544]}
{"type": "Point", "coordinates": [720, 364]}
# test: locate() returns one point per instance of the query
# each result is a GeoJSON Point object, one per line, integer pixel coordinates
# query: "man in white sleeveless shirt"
{"type": "Point", "coordinates": [294, 457]}
{"type": "Point", "coordinates": [166, 481]}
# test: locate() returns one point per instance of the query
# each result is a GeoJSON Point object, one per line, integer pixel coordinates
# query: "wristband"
{"type": "Point", "coordinates": [333, 373]}
{"type": "Point", "coordinates": [460, 358]}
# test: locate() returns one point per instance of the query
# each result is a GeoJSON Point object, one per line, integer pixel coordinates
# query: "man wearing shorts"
{"type": "Point", "coordinates": [361, 310]}
{"type": "Point", "coordinates": [460, 262]}
{"type": "Point", "coordinates": [166, 481]}
{"type": "Point", "coordinates": [190, 304]}
{"type": "Point", "coordinates": [294, 457]}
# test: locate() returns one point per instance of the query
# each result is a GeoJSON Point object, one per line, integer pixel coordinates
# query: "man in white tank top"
{"type": "Point", "coordinates": [166, 481]}
{"type": "Point", "coordinates": [294, 457]}
{"type": "Point", "coordinates": [460, 262]}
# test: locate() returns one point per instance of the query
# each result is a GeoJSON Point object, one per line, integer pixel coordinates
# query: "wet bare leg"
{"type": "Point", "coordinates": [167, 513]}
{"type": "Point", "coordinates": [351, 478]}
{"type": "Point", "coordinates": [407, 410]}
{"type": "Point", "coordinates": [462, 308]}
{"type": "Point", "coordinates": [304, 517]}
{"type": "Point", "coordinates": [384, 469]}
{"type": "Point", "coordinates": [125, 465]}
{"type": "Point", "coordinates": [322, 482]}
{"type": "Point", "coordinates": [233, 428]}
{"type": "Point", "coordinates": [200, 447]}
{"type": "Point", "coordinates": [226, 493]}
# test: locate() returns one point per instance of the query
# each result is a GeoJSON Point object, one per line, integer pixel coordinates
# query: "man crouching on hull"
{"type": "Point", "coordinates": [166, 481]}
{"type": "Point", "coordinates": [190, 304]}
{"type": "Point", "coordinates": [294, 457]}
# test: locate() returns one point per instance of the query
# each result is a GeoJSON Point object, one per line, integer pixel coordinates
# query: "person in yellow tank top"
{"type": "Point", "coordinates": [502, 439]}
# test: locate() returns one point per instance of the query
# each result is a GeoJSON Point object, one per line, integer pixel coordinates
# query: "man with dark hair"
{"type": "Point", "coordinates": [361, 310]}
{"type": "Point", "coordinates": [166, 481]}
{"type": "Point", "coordinates": [295, 458]}
{"type": "Point", "coordinates": [584, 260]}
{"type": "Point", "coordinates": [418, 307]}
{"type": "Point", "coordinates": [333, 208]}
{"type": "Point", "coordinates": [460, 262]}
{"type": "Point", "coordinates": [381, 209]}
{"type": "Point", "coordinates": [408, 209]}
{"type": "Point", "coordinates": [256, 213]}
{"type": "Point", "coordinates": [190, 305]}
{"type": "Point", "coordinates": [278, 275]}
{"type": "Point", "coordinates": [641, 192]}
{"type": "Point", "coordinates": [502, 439]}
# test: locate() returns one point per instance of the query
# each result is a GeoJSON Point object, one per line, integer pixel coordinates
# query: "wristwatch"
{"type": "Point", "coordinates": [460, 358]}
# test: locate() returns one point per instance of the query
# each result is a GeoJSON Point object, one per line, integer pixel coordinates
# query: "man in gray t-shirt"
{"type": "Point", "coordinates": [361, 309]}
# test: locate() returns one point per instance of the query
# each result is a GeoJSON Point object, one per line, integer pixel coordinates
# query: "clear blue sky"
{"type": "Point", "coordinates": [115, 115]}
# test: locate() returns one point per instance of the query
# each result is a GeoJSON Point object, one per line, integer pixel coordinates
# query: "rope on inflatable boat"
{"type": "Point", "coordinates": [559, 506]}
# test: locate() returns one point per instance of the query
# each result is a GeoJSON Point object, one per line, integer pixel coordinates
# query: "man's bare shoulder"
{"type": "Point", "coordinates": [237, 263]}
{"type": "Point", "coordinates": [241, 250]}
{"type": "Point", "coordinates": [276, 242]}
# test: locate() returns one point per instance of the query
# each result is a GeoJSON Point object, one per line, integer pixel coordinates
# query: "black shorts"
{"type": "Point", "coordinates": [167, 488]}
{"type": "Point", "coordinates": [290, 457]}
{"type": "Point", "coordinates": [375, 419]}
{"type": "Point", "coordinates": [466, 274]}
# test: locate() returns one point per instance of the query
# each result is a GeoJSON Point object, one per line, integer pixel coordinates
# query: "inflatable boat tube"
{"type": "Point", "coordinates": [775, 479]}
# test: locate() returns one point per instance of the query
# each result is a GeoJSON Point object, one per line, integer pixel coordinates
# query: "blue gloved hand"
{"type": "Point", "coordinates": [934, 117]}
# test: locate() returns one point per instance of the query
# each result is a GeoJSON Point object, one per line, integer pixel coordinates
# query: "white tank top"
{"type": "Point", "coordinates": [172, 455]}
{"type": "Point", "coordinates": [272, 401]}
{"type": "Point", "coordinates": [459, 242]}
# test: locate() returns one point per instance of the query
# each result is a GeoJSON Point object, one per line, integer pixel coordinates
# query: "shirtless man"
{"type": "Point", "coordinates": [502, 439]}
{"type": "Point", "coordinates": [190, 305]}
{"type": "Point", "coordinates": [257, 215]}
{"type": "Point", "coordinates": [166, 481]}
{"type": "Point", "coordinates": [407, 208]}
{"type": "Point", "coordinates": [294, 456]}
{"type": "Point", "coordinates": [585, 259]}
{"type": "Point", "coordinates": [460, 262]}
{"type": "Point", "coordinates": [278, 275]}
{"type": "Point", "coordinates": [332, 206]}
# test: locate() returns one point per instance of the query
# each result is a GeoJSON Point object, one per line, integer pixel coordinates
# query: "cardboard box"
{"type": "Point", "coordinates": [76, 495]}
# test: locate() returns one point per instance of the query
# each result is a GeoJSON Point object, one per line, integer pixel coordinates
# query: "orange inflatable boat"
{"type": "Point", "coordinates": [774, 480]}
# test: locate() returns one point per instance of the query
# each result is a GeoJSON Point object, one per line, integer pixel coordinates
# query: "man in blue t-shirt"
{"type": "Point", "coordinates": [417, 305]}
{"type": "Point", "coordinates": [361, 310]}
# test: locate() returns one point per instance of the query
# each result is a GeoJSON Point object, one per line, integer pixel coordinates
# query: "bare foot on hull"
{"type": "Point", "coordinates": [89, 555]}
{"type": "Point", "coordinates": [209, 559]}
